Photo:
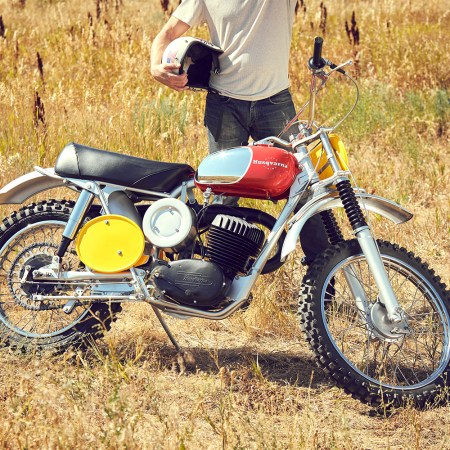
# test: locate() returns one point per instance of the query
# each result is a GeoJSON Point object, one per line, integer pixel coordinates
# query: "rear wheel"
{"type": "Point", "coordinates": [362, 351]}
{"type": "Point", "coordinates": [29, 240]}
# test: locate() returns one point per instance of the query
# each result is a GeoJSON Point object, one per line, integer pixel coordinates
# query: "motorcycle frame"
{"type": "Point", "coordinates": [321, 197]}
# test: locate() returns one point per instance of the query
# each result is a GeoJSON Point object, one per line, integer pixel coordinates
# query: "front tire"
{"type": "Point", "coordinates": [29, 238]}
{"type": "Point", "coordinates": [353, 346]}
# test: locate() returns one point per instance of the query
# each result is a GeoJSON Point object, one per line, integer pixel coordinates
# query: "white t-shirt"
{"type": "Point", "coordinates": [255, 36]}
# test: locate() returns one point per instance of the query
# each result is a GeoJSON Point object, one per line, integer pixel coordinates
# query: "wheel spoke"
{"type": "Point", "coordinates": [394, 362]}
{"type": "Point", "coordinates": [35, 246]}
{"type": "Point", "coordinates": [371, 345]}
{"type": "Point", "coordinates": [32, 238]}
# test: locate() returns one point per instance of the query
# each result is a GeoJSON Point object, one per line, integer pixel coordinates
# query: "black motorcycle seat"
{"type": "Point", "coordinates": [87, 163]}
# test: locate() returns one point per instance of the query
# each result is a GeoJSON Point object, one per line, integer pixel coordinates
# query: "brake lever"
{"type": "Point", "coordinates": [338, 68]}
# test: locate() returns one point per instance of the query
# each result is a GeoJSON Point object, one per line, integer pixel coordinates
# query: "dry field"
{"type": "Point", "coordinates": [78, 71]}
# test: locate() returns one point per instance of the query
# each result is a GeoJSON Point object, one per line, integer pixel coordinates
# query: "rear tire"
{"type": "Point", "coordinates": [354, 348]}
{"type": "Point", "coordinates": [28, 240]}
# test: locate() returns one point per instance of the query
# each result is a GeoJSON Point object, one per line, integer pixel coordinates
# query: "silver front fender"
{"type": "Point", "coordinates": [331, 200]}
{"type": "Point", "coordinates": [18, 190]}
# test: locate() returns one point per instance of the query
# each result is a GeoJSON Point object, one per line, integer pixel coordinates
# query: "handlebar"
{"type": "Point", "coordinates": [317, 62]}
{"type": "Point", "coordinates": [320, 76]}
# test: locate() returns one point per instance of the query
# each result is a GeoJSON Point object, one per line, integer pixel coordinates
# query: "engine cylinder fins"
{"type": "Point", "coordinates": [232, 242]}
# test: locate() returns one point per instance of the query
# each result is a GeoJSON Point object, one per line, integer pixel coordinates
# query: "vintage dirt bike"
{"type": "Point", "coordinates": [375, 315]}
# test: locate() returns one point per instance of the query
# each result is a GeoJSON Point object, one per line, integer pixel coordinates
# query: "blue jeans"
{"type": "Point", "coordinates": [231, 122]}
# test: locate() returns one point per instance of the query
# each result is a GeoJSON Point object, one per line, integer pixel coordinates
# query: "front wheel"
{"type": "Point", "coordinates": [29, 239]}
{"type": "Point", "coordinates": [356, 344]}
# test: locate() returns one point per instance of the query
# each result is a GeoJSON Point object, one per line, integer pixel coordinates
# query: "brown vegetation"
{"type": "Point", "coordinates": [78, 71]}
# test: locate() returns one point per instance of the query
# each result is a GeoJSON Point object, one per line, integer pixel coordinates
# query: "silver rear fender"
{"type": "Point", "coordinates": [330, 200]}
{"type": "Point", "coordinates": [22, 188]}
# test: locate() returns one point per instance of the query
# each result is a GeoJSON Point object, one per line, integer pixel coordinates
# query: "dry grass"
{"type": "Point", "coordinates": [78, 71]}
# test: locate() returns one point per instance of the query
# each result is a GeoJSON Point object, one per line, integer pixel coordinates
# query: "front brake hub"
{"type": "Point", "coordinates": [384, 328]}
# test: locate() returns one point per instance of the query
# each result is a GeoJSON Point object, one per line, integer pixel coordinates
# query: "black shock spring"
{"type": "Point", "coordinates": [351, 206]}
{"type": "Point", "coordinates": [334, 233]}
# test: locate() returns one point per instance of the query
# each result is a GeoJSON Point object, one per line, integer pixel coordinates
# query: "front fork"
{"type": "Point", "coordinates": [370, 250]}
{"type": "Point", "coordinates": [367, 243]}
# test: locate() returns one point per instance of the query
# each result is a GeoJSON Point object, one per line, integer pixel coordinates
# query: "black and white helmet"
{"type": "Point", "coordinates": [198, 58]}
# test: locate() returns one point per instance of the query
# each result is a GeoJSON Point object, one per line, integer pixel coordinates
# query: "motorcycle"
{"type": "Point", "coordinates": [375, 315]}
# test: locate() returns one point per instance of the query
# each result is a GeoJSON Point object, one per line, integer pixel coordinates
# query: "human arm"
{"type": "Point", "coordinates": [162, 72]}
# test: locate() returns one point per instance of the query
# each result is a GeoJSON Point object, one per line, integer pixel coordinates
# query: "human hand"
{"type": "Point", "coordinates": [164, 73]}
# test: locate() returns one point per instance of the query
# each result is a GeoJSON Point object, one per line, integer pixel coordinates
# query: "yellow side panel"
{"type": "Point", "coordinates": [110, 244]}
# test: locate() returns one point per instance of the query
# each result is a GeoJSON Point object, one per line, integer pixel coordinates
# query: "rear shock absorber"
{"type": "Point", "coordinates": [351, 206]}
{"type": "Point", "coordinates": [332, 229]}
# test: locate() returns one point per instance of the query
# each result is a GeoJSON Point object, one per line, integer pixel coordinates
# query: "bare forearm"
{"type": "Point", "coordinates": [160, 43]}
{"type": "Point", "coordinates": [162, 71]}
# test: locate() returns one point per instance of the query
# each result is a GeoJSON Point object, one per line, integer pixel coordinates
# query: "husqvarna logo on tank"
{"type": "Point", "coordinates": [270, 163]}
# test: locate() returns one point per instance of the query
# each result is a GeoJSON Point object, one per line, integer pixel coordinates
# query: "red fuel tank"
{"type": "Point", "coordinates": [258, 171]}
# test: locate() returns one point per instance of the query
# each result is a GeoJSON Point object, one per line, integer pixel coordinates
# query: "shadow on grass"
{"type": "Point", "coordinates": [278, 367]}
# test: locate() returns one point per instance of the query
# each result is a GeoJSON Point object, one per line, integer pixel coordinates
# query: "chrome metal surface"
{"type": "Point", "coordinates": [77, 215]}
{"type": "Point", "coordinates": [69, 306]}
{"type": "Point", "coordinates": [92, 186]}
{"type": "Point", "coordinates": [388, 355]}
{"type": "Point", "coordinates": [51, 274]}
{"type": "Point", "coordinates": [304, 159]}
{"type": "Point", "coordinates": [272, 140]}
{"type": "Point", "coordinates": [312, 99]}
{"type": "Point", "coordinates": [177, 192]}
{"type": "Point", "coordinates": [330, 200]}
{"type": "Point", "coordinates": [19, 312]}
{"type": "Point", "coordinates": [225, 167]}
{"type": "Point", "coordinates": [387, 295]}
{"type": "Point", "coordinates": [119, 203]}
{"type": "Point", "coordinates": [357, 290]}
{"type": "Point", "coordinates": [85, 299]}
{"type": "Point", "coordinates": [329, 152]}
{"type": "Point", "coordinates": [24, 187]}
{"type": "Point", "coordinates": [192, 312]}
{"type": "Point", "coordinates": [383, 328]}
{"type": "Point", "coordinates": [105, 289]}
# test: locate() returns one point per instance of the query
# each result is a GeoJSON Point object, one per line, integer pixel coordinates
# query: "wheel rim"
{"type": "Point", "coordinates": [410, 362]}
{"type": "Point", "coordinates": [34, 323]}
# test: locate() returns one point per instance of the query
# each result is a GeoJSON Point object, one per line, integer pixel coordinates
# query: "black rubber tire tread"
{"type": "Point", "coordinates": [328, 358]}
{"type": "Point", "coordinates": [101, 315]}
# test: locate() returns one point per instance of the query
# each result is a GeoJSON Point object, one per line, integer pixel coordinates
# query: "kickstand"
{"type": "Point", "coordinates": [185, 359]}
{"type": "Point", "coordinates": [166, 329]}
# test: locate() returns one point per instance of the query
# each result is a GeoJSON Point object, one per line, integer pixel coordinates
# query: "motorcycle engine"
{"type": "Point", "coordinates": [232, 244]}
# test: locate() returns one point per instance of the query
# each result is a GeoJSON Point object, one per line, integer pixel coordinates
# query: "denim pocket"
{"type": "Point", "coordinates": [281, 97]}
{"type": "Point", "coordinates": [214, 113]}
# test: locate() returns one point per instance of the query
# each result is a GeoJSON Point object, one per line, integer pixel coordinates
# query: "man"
{"type": "Point", "coordinates": [250, 96]}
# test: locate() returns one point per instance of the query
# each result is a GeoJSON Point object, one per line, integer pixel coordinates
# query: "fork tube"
{"type": "Point", "coordinates": [357, 291]}
{"type": "Point", "coordinates": [312, 100]}
{"type": "Point", "coordinates": [329, 151]}
{"type": "Point", "coordinates": [369, 249]}
{"type": "Point", "coordinates": [387, 295]}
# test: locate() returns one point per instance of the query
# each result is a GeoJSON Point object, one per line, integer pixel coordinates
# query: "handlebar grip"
{"type": "Point", "coordinates": [317, 62]}
{"type": "Point", "coordinates": [317, 56]}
